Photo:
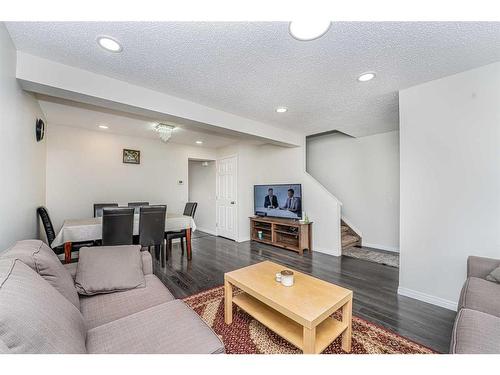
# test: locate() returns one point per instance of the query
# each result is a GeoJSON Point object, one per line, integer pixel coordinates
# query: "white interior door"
{"type": "Point", "coordinates": [226, 203]}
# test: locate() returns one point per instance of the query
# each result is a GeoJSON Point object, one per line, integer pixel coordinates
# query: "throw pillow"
{"type": "Point", "coordinates": [108, 269]}
{"type": "Point", "coordinates": [494, 275]}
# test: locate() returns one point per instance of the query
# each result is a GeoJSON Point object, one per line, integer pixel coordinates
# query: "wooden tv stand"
{"type": "Point", "coordinates": [285, 233]}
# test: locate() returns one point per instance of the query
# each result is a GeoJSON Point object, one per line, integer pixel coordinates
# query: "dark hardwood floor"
{"type": "Point", "coordinates": [374, 285]}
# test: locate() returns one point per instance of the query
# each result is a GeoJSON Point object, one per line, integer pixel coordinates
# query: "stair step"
{"type": "Point", "coordinates": [344, 228]}
{"type": "Point", "coordinates": [349, 240]}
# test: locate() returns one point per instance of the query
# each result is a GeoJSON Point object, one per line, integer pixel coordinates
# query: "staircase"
{"type": "Point", "coordinates": [349, 237]}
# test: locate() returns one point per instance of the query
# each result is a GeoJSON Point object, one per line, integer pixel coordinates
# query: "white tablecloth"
{"type": "Point", "coordinates": [91, 229]}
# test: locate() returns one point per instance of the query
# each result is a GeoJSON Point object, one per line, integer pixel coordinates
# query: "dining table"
{"type": "Point", "coordinates": [90, 229]}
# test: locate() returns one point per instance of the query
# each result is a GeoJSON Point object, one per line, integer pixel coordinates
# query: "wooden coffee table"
{"type": "Point", "coordinates": [300, 313]}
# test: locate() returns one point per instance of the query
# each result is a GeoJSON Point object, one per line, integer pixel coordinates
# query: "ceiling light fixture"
{"type": "Point", "coordinates": [281, 109]}
{"type": "Point", "coordinates": [165, 131]}
{"type": "Point", "coordinates": [199, 142]}
{"type": "Point", "coordinates": [308, 30]}
{"type": "Point", "coordinates": [103, 127]}
{"type": "Point", "coordinates": [109, 44]}
{"type": "Point", "coordinates": [365, 77]}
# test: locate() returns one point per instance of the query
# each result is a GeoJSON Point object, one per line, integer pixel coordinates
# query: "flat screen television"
{"type": "Point", "coordinates": [283, 200]}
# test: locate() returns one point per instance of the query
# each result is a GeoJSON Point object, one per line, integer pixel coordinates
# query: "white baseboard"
{"type": "Point", "coordinates": [326, 251]}
{"type": "Point", "coordinates": [447, 304]}
{"type": "Point", "coordinates": [381, 247]}
{"type": "Point", "coordinates": [209, 231]}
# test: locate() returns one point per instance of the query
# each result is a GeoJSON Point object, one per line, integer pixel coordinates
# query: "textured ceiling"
{"type": "Point", "coordinates": [251, 68]}
{"type": "Point", "coordinates": [62, 112]}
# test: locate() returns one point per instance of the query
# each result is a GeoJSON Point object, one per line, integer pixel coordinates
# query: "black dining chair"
{"type": "Point", "coordinates": [99, 206]}
{"type": "Point", "coordinates": [50, 233]}
{"type": "Point", "coordinates": [117, 226]}
{"type": "Point", "coordinates": [138, 205]}
{"type": "Point", "coordinates": [189, 210]}
{"type": "Point", "coordinates": [152, 229]}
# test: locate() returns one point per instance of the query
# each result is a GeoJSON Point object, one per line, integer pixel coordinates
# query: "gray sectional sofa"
{"type": "Point", "coordinates": [477, 325]}
{"type": "Point", "coordinates": [41, 312]}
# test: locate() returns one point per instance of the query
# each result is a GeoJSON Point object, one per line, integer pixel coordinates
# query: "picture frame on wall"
{"type": "Point", "coordinates": [131, 156]}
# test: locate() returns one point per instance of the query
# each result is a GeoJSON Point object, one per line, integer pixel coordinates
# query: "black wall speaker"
{"type": "Point", "coordinates": [39, 129]}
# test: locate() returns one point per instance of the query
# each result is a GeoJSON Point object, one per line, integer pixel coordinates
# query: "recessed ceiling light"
{"type": "Point", "coordinates": [109, 44]}
{"type": "Point", "coordinates": [366, 76]}
{"type": "Point", "coordinates": [103, 127]}
{"type": "Point", "coordinates": [308, 30]}
{"type": "Point", "coordinates": [281, 109]}
{"type": "Point", "coordinates": [199, 142]}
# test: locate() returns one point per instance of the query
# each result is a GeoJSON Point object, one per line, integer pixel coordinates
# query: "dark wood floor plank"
{"type": "Point", "coordinates": [374, 285]}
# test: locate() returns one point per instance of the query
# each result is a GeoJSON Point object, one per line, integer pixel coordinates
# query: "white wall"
{"type": "Point", "coordinates": [22, 187]}
{"type": "Point", "coordinates": [450, 181]}
{"type": "Point", "coordinates": [202, 190]}
{"type": "Point", "coordinates": [85, 167]}
{"type": "Point", "coordinates": [364, 174]}
{"type": "Point", "coordinates": [269, 164]}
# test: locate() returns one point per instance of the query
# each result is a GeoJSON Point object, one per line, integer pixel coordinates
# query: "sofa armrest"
{"type": "Point", "coordinates": [147, 263]}
{"type": "Point", "coordinates": [480, 267]}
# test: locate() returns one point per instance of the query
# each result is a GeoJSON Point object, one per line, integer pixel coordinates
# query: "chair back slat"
{"type": "Point", "coordinates": [47, 223]}
{"type": "Point", "coordinates": [190, 209]}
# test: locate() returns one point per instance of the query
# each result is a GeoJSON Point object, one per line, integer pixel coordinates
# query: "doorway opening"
{"type": "Point", "coordinates": [202, 189]}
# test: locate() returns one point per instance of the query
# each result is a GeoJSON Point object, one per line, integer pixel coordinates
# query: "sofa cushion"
{"type": "Point", "coordinates": [104, 308]}
{"type": "Point", "coordinates": [108, 269]}
{"type": "Point", "coordinates": [475, 333]}
{"type": "Point", "coordinates": [171, 327]}
{"type": "Point", "coordinates": [478, 294]}
{"type": "Point", "coordinates": [34, 316]}
{"type": "Point", "coordinates": [39, 257]}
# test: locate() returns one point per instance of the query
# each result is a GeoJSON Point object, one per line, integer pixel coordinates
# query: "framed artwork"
{"type": "Point", "coordinates": [131, 156]}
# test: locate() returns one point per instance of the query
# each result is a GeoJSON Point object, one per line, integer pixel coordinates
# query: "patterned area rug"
{"type": "Point", "coordinates": [375, 256]}
{"type": "Point", "coordinates": [247, 336]}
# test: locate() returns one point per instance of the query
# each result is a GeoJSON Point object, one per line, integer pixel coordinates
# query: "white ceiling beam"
{"type": "Point", "coordinates": [55, 79]}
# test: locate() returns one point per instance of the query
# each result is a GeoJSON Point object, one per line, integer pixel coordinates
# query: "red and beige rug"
{"type": "Point", "coordinates": [247, 336]}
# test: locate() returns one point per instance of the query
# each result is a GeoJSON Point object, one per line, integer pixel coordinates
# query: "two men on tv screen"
{"type": "Point", "coordinates": [292, 203]}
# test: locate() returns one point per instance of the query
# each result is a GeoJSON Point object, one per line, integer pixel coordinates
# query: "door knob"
{"type": "Point", "coordinates": [233, 202]}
